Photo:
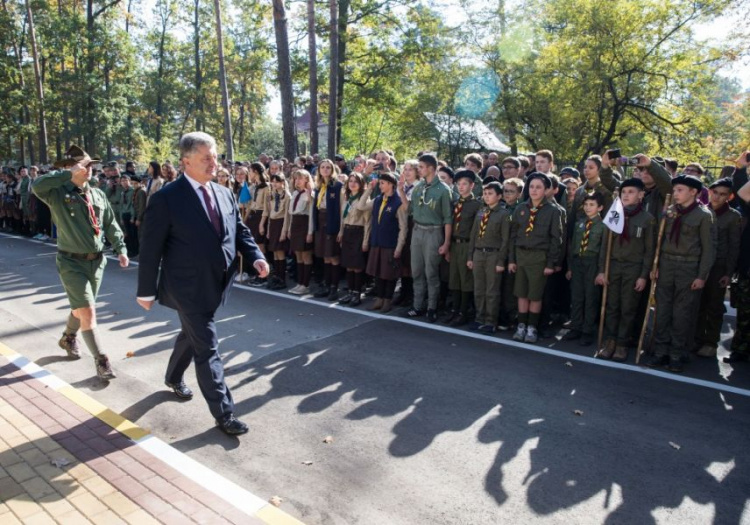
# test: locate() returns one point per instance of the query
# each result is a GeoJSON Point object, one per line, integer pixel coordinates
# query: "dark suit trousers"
{"type": "Point", "coordinates": [198, 341]}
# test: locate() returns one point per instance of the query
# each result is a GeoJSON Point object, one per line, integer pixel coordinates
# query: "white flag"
{"type": "Point", "coordinates": [615, 218]}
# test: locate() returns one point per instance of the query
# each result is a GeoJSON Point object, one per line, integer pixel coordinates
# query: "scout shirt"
{"type": "Point", "coordinates": [546, 234]}
{"type": "Point", "coordinates": [593, 246]}
{"type": "Point", "coordinates": [301, 205]}
{"type": "Point", "coordinates": [653, 202]}
{"type": "Point", "coordinates": [24, 190]}
{"type": "Point", "coordinates": [353, 216]}
{"type": "Point", "coordinates": [126, 204]}
{"type": "Point", "coordinates": [464, 211]}
{"type": "Point", "coordinates": [430, 204]}
{"type": "Point", "coordinates": [496, 233]}
{"type": "Point", "coordinates": [565, 221]}
{"type": "Point", "coordinates": [635, 246]}
{"type": "Point", "coordinates": [729, 231]}
{"type": "Point", "coordinates": [274, 209]}
{"type": "Point", "coordinates": [139, 204]}
{"type": "Point", "coordinates": [606, 185]}
{"type": "Point", "coordinates": [694, 239]}
{"type": "Point", "coordinates": [259, 200]}
{"type": "Point", "coordinates": [114, 194]}
{"type": "Point", "coordinates": [75, 230]}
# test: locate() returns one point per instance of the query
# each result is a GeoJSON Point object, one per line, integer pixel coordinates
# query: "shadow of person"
{"type": "Point", "coordinates": [138, 409]}
{"type": "Point", "coordinates": [51, 359]}
{"type": "Point", "coordinates": [212, 436]}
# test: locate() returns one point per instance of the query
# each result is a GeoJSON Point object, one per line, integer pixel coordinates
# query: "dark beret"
{"type": "Point", "coordinates": [339, 158]}
{"type": "Point", "coordinates": [636, 183]}
{"type": "Point", "coordinates": [464, 174]}
{"type": "Point", "coordinates": [570, 170]}
{"type": "Point", "coordinates": [136, 178]}
{"type": "Point", "coordinates": [725, 183]}
{"type": "Point", "coordinates": [688, 180]}
{"type": "Point", "coordinates": [541, 176]}
{"type": "Point", "coordinates": [388, 176]}
{"type": "Point", "coordinates": [447, 171]}
{"type": "Point", "coordinates": [112, 164]}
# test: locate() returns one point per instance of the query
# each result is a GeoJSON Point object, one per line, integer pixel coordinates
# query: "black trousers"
{"type": "Point", "coordinates": [198, 341]}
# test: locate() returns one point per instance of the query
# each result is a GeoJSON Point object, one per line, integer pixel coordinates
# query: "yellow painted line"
{"type": "Point", "coordinates": [274, 516]}
{"type": "Point", "coordinates": [99, 411]}
{"type": "Point", "coordinates": [4, 350]}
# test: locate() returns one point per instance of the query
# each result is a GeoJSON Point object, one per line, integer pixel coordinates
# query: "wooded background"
{"type": "Point", "coordinates": [124, 78]}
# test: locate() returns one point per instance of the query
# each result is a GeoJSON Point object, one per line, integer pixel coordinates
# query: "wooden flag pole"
{"type": "Point", "coordinates": [602, 311]}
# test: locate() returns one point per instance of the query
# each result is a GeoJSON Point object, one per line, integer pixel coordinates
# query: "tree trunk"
{"type": "Point", "coordinates": [333, 98]}
{"type": "Point", "coordinates": [313, 76]}
{"type": "Point", "coordinates": [160, 78]}
{"type": "Point", "coordinates": [199, 123]}
{"type": "Point", "coordinates": [223, 81]}
{"type": "Point", "coordinates": [39, 87]}
{"type": "Point", "coordinates": [285, 79]}
{"type": "Point", "coordinates": [343, 25]}
{"type": "Point", "coordinates": [89, 111]}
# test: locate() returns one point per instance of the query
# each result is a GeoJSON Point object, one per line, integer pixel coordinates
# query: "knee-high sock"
{"type": "Point", "coordinates": [91, 338]}
{"type": "Point", "coordinates": [359, 279]}
{"type": "Point", "coordinates": [335, 275]}
{"type": "Point", "coordinates": [73, 325]}
{"type": "Point", "coordinates": [390, 287]}
{"type": "Point", "coordinates": [350, 280]}
{"type": "Point", "coordinates": [307, 275]}
{"type": "Point", "coordinates": [327, 274]}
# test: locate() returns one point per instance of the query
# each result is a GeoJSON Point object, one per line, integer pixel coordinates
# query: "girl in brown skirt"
{"type": "Point", "coordinates": [354, 237]}
{"type": "Point", "coordinates": [409, 179]}
{"type": "Point", "coordinates": [258, 198]}
{"type": "Point", "coordinates": [275, 211]}
{"type": "Point", "coordinates": [299, 229]}
{"type": "Point", "coordinates": [327, 218]}
{"type": "Point", "coordinates": [387, 238]}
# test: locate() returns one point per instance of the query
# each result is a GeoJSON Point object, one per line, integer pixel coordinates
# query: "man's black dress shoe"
{"type": "Point", "coordinates": [180, 389]}
{"type": "Point", "coordinates": [231, 425]}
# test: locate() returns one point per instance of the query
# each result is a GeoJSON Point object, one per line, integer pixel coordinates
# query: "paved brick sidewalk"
{"type": "Point", "coordinates": [60, 464]}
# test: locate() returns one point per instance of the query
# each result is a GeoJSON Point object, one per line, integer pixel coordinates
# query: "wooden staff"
{"type": "Point", "coordinates": [610, 236]}
{"type": "Point", "coordinates": [242, 267]}
{"type": "Point", "coordinates": [652, 291]}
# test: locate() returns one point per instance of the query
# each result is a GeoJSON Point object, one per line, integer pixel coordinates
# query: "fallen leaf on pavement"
{"type": "Point", "coordinates": [130, 354]}
{"type": "Point", "coordinates": [60, 462]}
{"type": "Point", "coordinates": [307, 463]}
{"type": "Point", "coordinates": [674, 445]}
{"type": "Point", "coordinates": [568, 363]}
{"type": "Point", "coordinates": [275, 501]}
{"type": "Point", "coordinates": [578, 412]}
{"type": "Point", "coordinates": [328, 439]}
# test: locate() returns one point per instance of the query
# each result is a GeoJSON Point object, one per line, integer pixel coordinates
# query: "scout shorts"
{"type": "Point", "coordinates": [81, 279]}
{"type": "Point", "coordinates": [530, 278]}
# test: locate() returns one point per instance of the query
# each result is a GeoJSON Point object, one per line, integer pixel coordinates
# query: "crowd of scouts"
{"type": "Point", "coordinates": [498, 245]}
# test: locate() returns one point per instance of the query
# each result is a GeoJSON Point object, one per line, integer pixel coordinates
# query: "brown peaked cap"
{"type": "Point", "coordinates": [74, 155]}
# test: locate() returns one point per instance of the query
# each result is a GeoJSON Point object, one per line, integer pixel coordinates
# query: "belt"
{"type": "Point", "coordinates": [353, 226]}
{"type": "Point", "coordinates": [458, 240]}
{"type": "Point", "coordinates": [83, 256]}
{"type": "Point", "coordinates": [527, 249]}
{"type": "Point", "coordinates": [486, 250]}
{"type": "Point", "coordinates": [427, 226]}
{"type": "Point", "coordinates": [681, 258]}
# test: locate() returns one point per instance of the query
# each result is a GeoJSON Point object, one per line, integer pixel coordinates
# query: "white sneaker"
{"type": "Point", "coordinates": [531, 336]}
{"type": "Point", "coordinates": [295, 290]}
{"type": "Point", "coordinates": [520, 332]}
{"type": "Point", "coordinates": [304, 290]}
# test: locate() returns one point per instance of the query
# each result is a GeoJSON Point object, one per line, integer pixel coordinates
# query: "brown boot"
{"type": "Point", "coordinates": [607, 351]}
{"type": "Point", "coordinates": [707, 351]}
{"type": "Point", "coordinates": [377, 305]}
{"type": "Point", "coordinates": [386, 306]}
{"type": "Point", "coordinates": [621, 354]}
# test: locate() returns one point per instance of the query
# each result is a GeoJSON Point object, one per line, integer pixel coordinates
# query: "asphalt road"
{"type": "Point", "coordinates": [429, 426]}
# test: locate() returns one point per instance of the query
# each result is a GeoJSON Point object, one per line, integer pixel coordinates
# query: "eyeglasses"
{"type": "Point", "coordinates": [510, 168]}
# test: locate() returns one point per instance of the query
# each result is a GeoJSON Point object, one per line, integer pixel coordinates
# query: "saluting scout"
{"type": "Point", "coordinates": [583, 264]}
{"type": "Point", "coordinates": [461, 283]}
{"type": "Point", "coordinates": [536, 244]}
{"type": "Point", "coordinates": [729, 232]}
{"type": "Point", "coordinates": [488, 249]}
{"type": "Point", "coordinates": [83, 216]}
{"type": "Point", "coordinates": [688, 252]}
{"type": "Point", "coordinates": [630, 264]}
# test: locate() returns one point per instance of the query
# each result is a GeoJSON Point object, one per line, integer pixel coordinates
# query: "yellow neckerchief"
{"type": "Point", "coordinates": [382, 207]}
{"type": "Point", "coordinates": [322, 193]}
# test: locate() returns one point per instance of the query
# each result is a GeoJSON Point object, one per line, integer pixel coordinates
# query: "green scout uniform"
{"type": "Point", "coordinates": [431, 208]}
{"type": "Point", "coordinates": [606, 185]}
{"type": "Point", "coordinates": [126, 206]}
{"type": "Point", "coordinates": [114, 196]}
{"type": "Point", "coordinates": [653, 201]}
{"type": "Point", "coordinates": [583, 261]}
{"type": "Point", "coordinates": [139, 206]}
{"type": "Point", "coordinates": [80, 258]}
{"type": "Point", "coordinates": [508, 301]}
{"type": "Point", "coordinates": [711, 314]}
{"type": "Point", "coordinates": [464, 212]}
{"type": "Point", "coordinates": [24, 191]}
{"type": "Point", "coordinates": [631, 259]}
{"type": "Point", "coordinates": [488, 246]}
{"type": "Point", "coordinates": [536, 244]}
{"type": "Point", "coordinates": [688, 252]}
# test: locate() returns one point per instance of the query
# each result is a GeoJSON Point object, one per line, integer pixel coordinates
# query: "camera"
{"type": "Point", "coordinates": [613, 154]}
{"type": "Point", "coordinates": [628, 161]}
{"type": "Point", "coordinates": [379, 166]}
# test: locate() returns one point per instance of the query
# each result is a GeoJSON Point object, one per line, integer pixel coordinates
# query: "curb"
{"type": "Point", "coordinates": [210, 480]}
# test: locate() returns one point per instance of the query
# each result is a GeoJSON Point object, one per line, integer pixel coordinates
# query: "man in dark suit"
{"type": "Point", "coordinates": [192, 231]}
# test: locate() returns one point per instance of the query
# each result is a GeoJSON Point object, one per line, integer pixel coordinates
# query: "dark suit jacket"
{"type": "Point", "coordinates": [183, 262]}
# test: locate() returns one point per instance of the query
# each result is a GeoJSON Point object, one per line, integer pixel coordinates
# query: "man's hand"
{"type": "Point", "coordinates": [146, 305]}
{"type": "Point", "coordinates": [549, 271]}
{"type": "Point", "coordinates": [654, 274]}
{"type": "Point", "coordinates": [743, 160]}
{"type": "Point", "coordinates": [444, 249]}
{"type": "Point", "coordinates": [499, 269]}
{"type": "Point", "coordinates": [512, 267]}
{"type": "Point", "coordinates": [470, 265]}
{"type": "Point", "coordinates": [124, 261]}
{"type": "Point", "coordinates": [261, 266]}
{"type": "Point", "coordinates": [698, 284]}
{"type": "Point", "coordinates": [600, 280]}
{"type": "Point", "coordinates": [606, 161]}
{"type": "Point", "coordinates": [640, 284]}
{"type": "Point", "coordinates": [643, 160]}
{"type": "Point", "coordinates": [724, 281]}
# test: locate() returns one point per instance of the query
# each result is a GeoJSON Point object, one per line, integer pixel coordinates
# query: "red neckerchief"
{"type": "Point", "coordinates": [296, 200]}
{"type": "Point", "coordinates": [675, 231]}
{"type": "Point", "coordinates": [721, 211]}
{"type": "Point", "coordinates": [625, 236]}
